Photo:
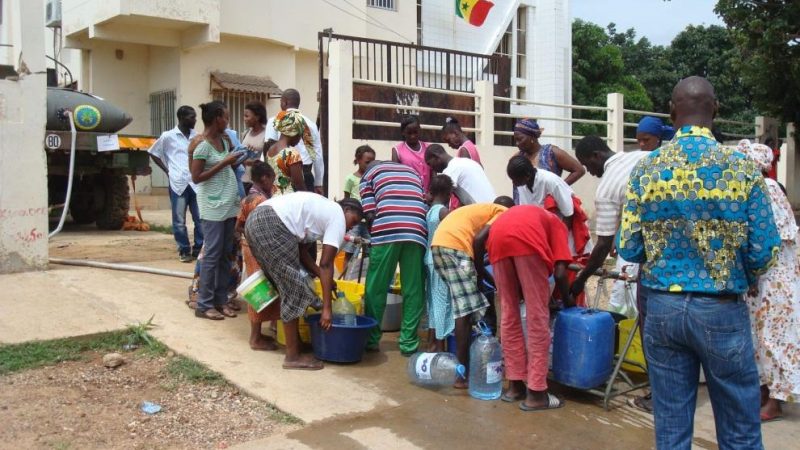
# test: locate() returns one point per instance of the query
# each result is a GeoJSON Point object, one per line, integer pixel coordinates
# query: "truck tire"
{"type": "Point", "coordinates": [117, 201]}
{"type": "Point", "coordinates": [83, 206]}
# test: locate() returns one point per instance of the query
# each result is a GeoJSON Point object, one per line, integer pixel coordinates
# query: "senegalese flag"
{"type": "Point", "coordinates": [473, 11]}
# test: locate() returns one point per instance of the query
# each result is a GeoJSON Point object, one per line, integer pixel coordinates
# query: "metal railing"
{"type": "Point", "coordinates": [570, 108]}
{"type": "Point", "coordinates": [418, 65]}
{"type": "Point", "coordinates": [737, 125]}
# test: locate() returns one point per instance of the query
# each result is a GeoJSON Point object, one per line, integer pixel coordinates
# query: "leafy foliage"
{"type": "Point", "coordinates": [766, 34]}
{"type": "Point", "coordinates": [606, 61]}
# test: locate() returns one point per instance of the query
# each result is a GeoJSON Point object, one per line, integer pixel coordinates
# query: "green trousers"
{"type": "Point", "coordinates": [383, 261]}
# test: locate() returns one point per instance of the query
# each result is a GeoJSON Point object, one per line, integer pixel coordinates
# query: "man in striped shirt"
{"type": "Point", "coordinates": [392, 196]}
{"type": "Point", "coordinates": [614, 170]}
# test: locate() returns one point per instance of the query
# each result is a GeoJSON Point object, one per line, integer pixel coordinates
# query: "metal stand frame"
{"type": "Point", "coordinates": [609, 391]}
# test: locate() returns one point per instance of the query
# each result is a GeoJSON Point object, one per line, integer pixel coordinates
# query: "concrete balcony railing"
{"type": "Point", "coordinates": [170, 23]}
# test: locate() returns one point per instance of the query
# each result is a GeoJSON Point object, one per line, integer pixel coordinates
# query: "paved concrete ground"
{"type": "Point", "coordinates": [367, 405]}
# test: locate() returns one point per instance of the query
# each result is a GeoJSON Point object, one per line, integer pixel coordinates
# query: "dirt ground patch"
{"type": "Point", "coordinates": [82, 404]}
{"type": "Point", "coordinates": [113, 246]}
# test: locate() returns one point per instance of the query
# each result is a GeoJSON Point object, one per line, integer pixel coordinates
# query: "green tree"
{"type": "Point", "coordinates": [710, 52]}
{"type": "Point", "coordinates": [766, 34]}
{"type": "Point", "coordinates": [598, 68]}
{"type": "Point", "coordinates": [649, 63]}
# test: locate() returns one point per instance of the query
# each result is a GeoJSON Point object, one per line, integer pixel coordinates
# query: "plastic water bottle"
{"type": "Point", "coordinates": [434, 369]}
{"type": "Point", "coordinates": [344, 313]}
{"type": "Point", "coordinates": [317, 303]}
{"type": "Point", "coordinates": [485, 366]}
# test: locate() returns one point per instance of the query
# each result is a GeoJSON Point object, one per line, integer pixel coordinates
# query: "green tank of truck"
{"type": "Point", "coordinates": [103, 158]}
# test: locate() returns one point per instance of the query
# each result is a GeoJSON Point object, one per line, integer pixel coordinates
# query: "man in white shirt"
{"type": "Point", "coordinates": [470, 183]}
{"type": "Point", "coordinates": [169, 153]}
{"type": "Point", "coordinates": [614, 170]}
{"type": "Point", "coordinates": [313, 163]}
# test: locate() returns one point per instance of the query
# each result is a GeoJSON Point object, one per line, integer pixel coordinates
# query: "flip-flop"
{"type": "Point", "coordinates": [209, 314]}
{"type": "Point", "coordinates": [507, 398]}
{"type": "Point", "coordinates": [765, 418]}
{"type": "Point", "coordinates": [225, 311]}
{"type": "Point", "coordinates": [315, 365]}
{"type": "Point", "coordinates": [553, 402]}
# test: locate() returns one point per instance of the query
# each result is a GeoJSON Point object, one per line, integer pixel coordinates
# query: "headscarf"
{"type": "Point", "coordinates": [654, 125]}
{"type": "Point", "coordinates": [529, 127]}
{"type": "Point", "coordinates": [758, 153]}
{"type": "Point", "coordinates": [291, 123]}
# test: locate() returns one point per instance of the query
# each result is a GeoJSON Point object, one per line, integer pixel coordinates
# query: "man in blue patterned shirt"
{"type": "Point", "coordinates": [698, 219]}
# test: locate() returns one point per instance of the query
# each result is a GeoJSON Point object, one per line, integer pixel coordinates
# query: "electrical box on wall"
{"type": "Point", "coordinates": [52, 14]}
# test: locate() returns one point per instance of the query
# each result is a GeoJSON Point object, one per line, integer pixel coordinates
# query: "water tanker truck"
{"type": "Point", "coordinates": [103, 158]}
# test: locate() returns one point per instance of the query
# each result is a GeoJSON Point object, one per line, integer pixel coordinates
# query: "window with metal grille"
{"type": "Point", "coordinates": [236, 101]}
{"type": "Point", "coordinates": [162, 112]}
{"type": "Point", "coordinates": [382, 4]}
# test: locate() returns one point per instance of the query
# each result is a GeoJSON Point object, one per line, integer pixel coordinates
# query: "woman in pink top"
{"type": "Point", "coordinates": [411, 151]}
{"type": "Point", "coordinates": [456, 139]}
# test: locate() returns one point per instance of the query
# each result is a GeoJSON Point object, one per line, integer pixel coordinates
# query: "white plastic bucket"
{"type": "Point", "coordinates": [257, 291]}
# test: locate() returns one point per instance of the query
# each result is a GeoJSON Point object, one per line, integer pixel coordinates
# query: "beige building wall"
{"type": "Point", "coordinates": [23, 171]}
{"type": "Point", "coordinates": [118, 72]}
{"type": "Point", "coordinates": [296, 23]}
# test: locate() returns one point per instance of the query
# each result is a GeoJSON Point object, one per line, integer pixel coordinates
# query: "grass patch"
{"type": "Point", "coordinates": [31, 355]}
{"type": "Point", "coordinates": [165, 229]}
{"type": "Point", "coordinates": [139, 336]}
{"type": "Point", "coordinates": [185, 369]}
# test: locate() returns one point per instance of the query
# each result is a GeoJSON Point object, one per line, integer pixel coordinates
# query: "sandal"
{"type": "Point", "coordinates": [642, 403]}
{"type": "Point", "coordinates": [553, 402]}
{"type": "Point", "coordinates": [210, 314]}
{"type": "Point", "coordinates": [767, 418]}
{"type": "Point", "coordinates": [225, 311]}
{"type": "Point", "coordinates": [510, 399]}
{"type": "Point", "coordinates": [234, 305]}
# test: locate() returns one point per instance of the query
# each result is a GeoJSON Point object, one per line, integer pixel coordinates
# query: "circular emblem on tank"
{"type": "Point", "coordinates": [87, 117]}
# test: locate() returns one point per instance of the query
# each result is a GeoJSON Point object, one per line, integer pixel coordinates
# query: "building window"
{"type": "Point", "coordinates": [162, 112]}
{"type": "Point", "coordinates": [382, 4]}
{"type": "Point", "coordinates": [504, 47]}
{"type": "Point", "coordinates": [236, 101]}
{"type": "Point", "coordinates": [522, 25]}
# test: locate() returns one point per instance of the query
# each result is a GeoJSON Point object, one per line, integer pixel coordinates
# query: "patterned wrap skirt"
{"type": "Point", "coordinates": [276, 250]}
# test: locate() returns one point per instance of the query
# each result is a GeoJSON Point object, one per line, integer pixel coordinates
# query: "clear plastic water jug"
{"type": "Point", "coordinates": [344, 313]}
{"type": "Point", "coordinates": [434, 369]}
{"type": "Point", "coordinates": [485, 366]}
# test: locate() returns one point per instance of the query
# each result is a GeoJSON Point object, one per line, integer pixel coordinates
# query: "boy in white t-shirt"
{"type": "Point", "coordinates": [470, 183]}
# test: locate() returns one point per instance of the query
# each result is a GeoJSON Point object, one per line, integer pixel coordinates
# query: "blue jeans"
{"type": "Point", "coordinates": [683, 332]}
{"type": "Point", "coordinates": [215, 268]}
{"type": "Point", "coordinates": [179, 205]}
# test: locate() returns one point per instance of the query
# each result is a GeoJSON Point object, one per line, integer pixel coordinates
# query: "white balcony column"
{"type": "Point", "coordinates": [340, 114]}
{"type": "Point", "coordinates": [484, 105]}
{"type": "Point", "coordinates": [616, 117]}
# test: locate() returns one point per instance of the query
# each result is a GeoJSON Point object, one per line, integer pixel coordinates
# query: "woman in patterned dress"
{"type": "Point", "coordinates": [283, 156]}
{"type": "Point", "coordinates": [548, 157]}
{"type": "Point", "coordinates": [775, 303]}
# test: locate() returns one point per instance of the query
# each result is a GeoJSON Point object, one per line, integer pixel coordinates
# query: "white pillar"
{"type": "Point", "coordinates": [340, 115]}
{"type": "Point", "coordinates": [484, 105]}
{"type": "Point", "coordinates": [616, 117]}
{"type": "Point", "coordinates": [23, 169]}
